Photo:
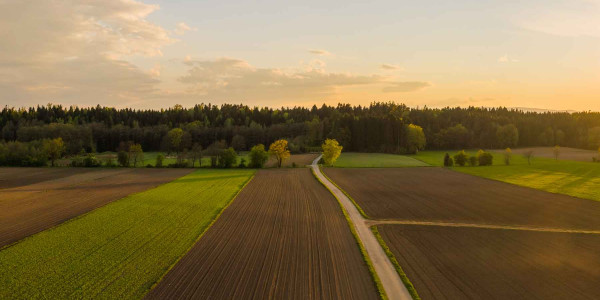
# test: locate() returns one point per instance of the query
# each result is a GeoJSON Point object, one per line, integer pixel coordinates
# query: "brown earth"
{"type": "Point", "coordinates": [301, 160]}
{"type": "Point", "coordinates": [437, 194]}
{"type": "Point", "coordinates": [283, 237]}
{"type": "Point", "coordinates": [28, 209]}
{"type": "Point", "coordinates": [475, 263]}
{"type": "Point", "coordinates": [14, 177]}
{"type": "Point", "coordinates": [565, 153]}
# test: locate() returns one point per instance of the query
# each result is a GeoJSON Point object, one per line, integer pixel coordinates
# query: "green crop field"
{"type": "Point", "coordinates": [120, 250]}
{"type": "Point", "coordinates": [579, 179]}
{"type": "Point", "coordinates": [376, 160]}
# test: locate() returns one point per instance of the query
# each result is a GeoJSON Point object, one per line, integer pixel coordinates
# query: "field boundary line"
{"type": "Point", "coordinates": [393, 285]}
{"type": "Point", "coordinates": [482, 226]}
{"type": "Point", "coordinates": [361, 247]}
{"type": "Point", "coordinates": [87, 213]}
{"type": "Point", "coordinates": [202, 233]}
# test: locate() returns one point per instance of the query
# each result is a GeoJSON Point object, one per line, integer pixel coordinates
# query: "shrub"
{"type": "Point", "coordinates": [484, 158]}
{"type": "Point", "coordinates": [89, 161]}
{"type": "Point", "coordinates": [294, 165]}
{"type": "Point", "coordinates": [123, 159]}
{"type": "Point", "coordinates": [242, 163]}
{"type": "Point", "coordinates": [159, 160]}
{"type": "Point", "coordinates": [258, 156]}
{"type": "Point", "coordinates": [227, 158]}
{"type": "Point", "coordinates": [461, 158]}
{"type": "Point", "coordinates": [472, 161]}
{"type": "Point", "coordinates": [507, 156]}
{"type": "Point", "coordinates": [447, 160]}
{"type": "Point", "coordinates": [149, 166]}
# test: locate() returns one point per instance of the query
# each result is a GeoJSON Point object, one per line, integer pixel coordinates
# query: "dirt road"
{"type": "Point", "coordinates": [392, 284]}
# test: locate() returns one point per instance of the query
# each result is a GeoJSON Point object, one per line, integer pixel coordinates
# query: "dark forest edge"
{"type": "Point", "coordinates": [212, 130]}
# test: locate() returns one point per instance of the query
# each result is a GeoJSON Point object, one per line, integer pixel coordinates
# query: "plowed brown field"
{"type": "Point", "coordinates": [14, 177]}
{"type": "Point", "coordinates": [436, 194]}
{"type": "Point", "coordinates": [28, 209]}
{"type": "Point", "coordinates": [475, 263]}
{"type": "Point", "coordinates": [283, 237]}
{"type": "Point", "coordinates": [301, 160]}
{"type": "Point", "coordinates": [564, 153]}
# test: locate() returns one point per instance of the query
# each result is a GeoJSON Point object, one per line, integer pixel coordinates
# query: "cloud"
{"type": "Point", "coordinates": [181, 28]}
{"type": "Point", "coordinates": [74, 51]}
{"type": "Point", "coordinates": [390, 67]}
{"type": "Point", "coordinates": [405, 87]}
{"type": "Point", "coordinates": [506, 59]}
{"type": "Point", "coordinates": [232, 78]}
{"type": "Point", "coordinates": [319, 52]}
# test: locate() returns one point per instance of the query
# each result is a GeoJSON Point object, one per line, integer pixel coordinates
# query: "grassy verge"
{"type": "Point", "coordinates": [376, 160]}
{"type": "Point", "coordinates": [122, 249]}
{"type": "Point", "coordinates": [360, 210]}
{"type": "Point", "coordinates": [574, 178]}
{"type": "Point", "coordinates": [409, 286]}
{"type": "Point", "coordinates": [363, 252]}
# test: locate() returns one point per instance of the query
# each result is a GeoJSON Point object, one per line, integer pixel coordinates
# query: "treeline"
{"type": "Point", "coordinates": [378, 127]}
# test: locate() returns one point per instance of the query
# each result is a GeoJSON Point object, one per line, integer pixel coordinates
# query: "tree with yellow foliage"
{"type": "Point", "coordinates": [331, 151]}
{"type": "Point", "coordinates": [280, 150]}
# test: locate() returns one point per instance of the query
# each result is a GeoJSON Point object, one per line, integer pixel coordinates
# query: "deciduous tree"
{"type": "Point", "coordinates": [258, 156]}
{"type": "Point", "coordinates": [415, 138]}
{"type": "Point", "coordinates": [331, 151]}
{"type": "Point", "coordinates": [54, 148]}
{"type": "Point", "coordinates": [280, 151]}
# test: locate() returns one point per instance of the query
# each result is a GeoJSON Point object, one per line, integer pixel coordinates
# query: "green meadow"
{"type": "Point", "coordinates": [120, 250]}
{"type": "Point", "coordinates": [579, 179]}
{"type": "Point", "coordinates": [376, 160]}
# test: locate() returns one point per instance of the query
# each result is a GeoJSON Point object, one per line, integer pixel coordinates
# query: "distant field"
{"type": "Point", "coordinates": [437, 194]}
{"type": "Point", "coordinates": [475, 263]}
{"type": "Point", "coordinates": [284, 237]}
{"type": "Point", "coordinates": [11, 177]}
{"type": "Point", "coordinates": [300, 160]}
{"type": "Point", "coordinates": [28, 209]}
{"type": "Point", "coordinates": [579, 179]}
{"type": "Point", "coordinates": [564, 154]}
{"type": "Point", "coordinates": [120, 250]}
{"type": "Point", "coordinates": [150, 159]}
{"type": "Point", "coordinates": [376, 160]}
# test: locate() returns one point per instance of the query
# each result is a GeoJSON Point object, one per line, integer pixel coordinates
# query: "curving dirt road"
{"type": "Point", "coordinates": [392, 284]}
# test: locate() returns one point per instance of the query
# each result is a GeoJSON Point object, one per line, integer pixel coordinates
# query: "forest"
{"type": "Point", "coordinates": [379, 127]}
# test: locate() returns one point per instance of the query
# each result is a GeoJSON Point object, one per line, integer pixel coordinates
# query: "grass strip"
{"type": "Point", "coordinates": [363, 252]}
{"type": "Point", "coordinates": [122, 249]}
{"type": "Point", "coordinates": [409, 286]}
{"type": "Point", "coordinates": [360, 210]}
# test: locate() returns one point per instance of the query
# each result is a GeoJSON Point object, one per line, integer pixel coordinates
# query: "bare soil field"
{"type": "Point", "coordinates": [437, 194]}
{"type": "Point", "coordinates": [283, 237]}
{"type": "Point", "coordinates": [28, 209]}
{"type": "Point", "coordinates": [14, 177]}
{"type": "Point", "coordinates": [565, 153]}
{"type": "Point", "coordinates": [475, 263]}
{"type": "Point", "coordinates": [301, 160]}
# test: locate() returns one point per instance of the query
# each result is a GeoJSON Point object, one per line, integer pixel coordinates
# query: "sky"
{"type": "Point", "coordinates": [155, 53]}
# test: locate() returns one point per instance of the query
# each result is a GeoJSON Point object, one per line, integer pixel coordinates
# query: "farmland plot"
{"type": "Point", "coordinates": [476, 263]}
{"type": "Point", "coordinates": [14, 177]}
{"type": "Point", "coordinates": [119, 250]}
{"type": "Point", "coordinates": [300, 160]}
{"type": "Point", "coordinates": [284, 237]}
{"type": "Point", "coordinates": [435, 194]}
{"type": "Point", "coordinates": [28, 209]}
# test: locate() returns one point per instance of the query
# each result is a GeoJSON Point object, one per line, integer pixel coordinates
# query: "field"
{"type": "Point", "coordinates": [28, 209]}
{"type": "Point", "coordinates": [150, 159]}
{"type": "Point", "coordinates": [121, 249]}
{"type": "Point", "coordinates": [436, 194]}
{"type": "Point", "coordinates": [14, 177]}
{"type": "Point", "coordinates": [284, 237]}
{"type": "Point", "coordinates": [376, 160]}
{"type": "Point", "coordinates": [301, 160]}
{"type": "Point", "coordinates": [574, 178]}
{"type": "Point", "coordinates": [475, 263]}
{"type": "Point", "coordinates": [565, 153]}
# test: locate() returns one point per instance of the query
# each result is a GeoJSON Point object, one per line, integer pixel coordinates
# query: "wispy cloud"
{"type": "Point", "coordinates": [181, 28]}
{"type": "Point", "coordinates": [405, 87]}
{"type": "Point", "coordinates": [391, 67]}
{"type": "Point", "coordinates": [506, 59]}
{"type": "Point", "coordinates": [319, 52]}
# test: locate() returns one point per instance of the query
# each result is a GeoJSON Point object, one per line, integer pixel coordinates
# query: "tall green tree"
{"type": "Point", "coordinates": [331, 151]}
{"type": "Point", "coordinates": [54, 148]}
